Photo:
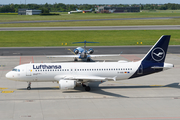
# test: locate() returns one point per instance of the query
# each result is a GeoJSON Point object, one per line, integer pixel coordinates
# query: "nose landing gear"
{"type": "Point", "coordinates": [29, 86]}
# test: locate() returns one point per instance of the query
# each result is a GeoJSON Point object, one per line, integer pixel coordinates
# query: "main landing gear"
{"type": "Point", "coordinates": [88, 59]}
{"type": "Point", "coordinates": [29, 86]}
{"type": "Point", "coordinates": [87, 88]}
{"type": "Point", "coordinates": [75, 59]}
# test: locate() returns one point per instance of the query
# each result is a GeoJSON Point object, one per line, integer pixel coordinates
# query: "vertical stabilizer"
{"type": "Point", "coordinates": [153, 61]}
{"type": "Point", "coordinates": [157, 53]}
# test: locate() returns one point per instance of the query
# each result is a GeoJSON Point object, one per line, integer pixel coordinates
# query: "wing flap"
{"type": "Point", "coordinates": [105, 55]}
{"type": "Point", "coordinates": [56, 56]}
{"type": "Point", "coordinates": [87, 78]}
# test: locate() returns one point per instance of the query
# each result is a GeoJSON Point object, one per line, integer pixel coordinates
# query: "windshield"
{"type": "Point", "coordinates": [16, 70]}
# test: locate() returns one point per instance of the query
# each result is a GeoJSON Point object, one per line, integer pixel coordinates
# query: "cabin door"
{"type": "Point", "coordinates": [28, 70]}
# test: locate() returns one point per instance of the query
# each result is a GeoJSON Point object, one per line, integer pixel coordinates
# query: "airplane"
{"type": "Point", "coordinates": [83, 54]}
{"type": "Point", "coordinates": [68, 75]}
{"type": "Point", "coordinates": [76, 11]}
{"type": "Point", "coordinates": [85, 11]}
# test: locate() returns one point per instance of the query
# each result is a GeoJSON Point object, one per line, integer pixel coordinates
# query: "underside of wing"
{"type": "Point", "coordinates": [56, 56]}
{"type": "Point", "coordinates": [104, 55]}
{"type": "Point", "coordinates": [83, 78]}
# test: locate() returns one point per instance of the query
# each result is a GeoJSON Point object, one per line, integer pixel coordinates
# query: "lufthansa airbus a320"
{"type": "Point", "coordinates": [68, 75]}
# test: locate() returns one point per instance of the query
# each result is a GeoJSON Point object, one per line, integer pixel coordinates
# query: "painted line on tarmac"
{"type": "Point", "coordinates": [26, 59]}
{"type": "Point", "coordinates": [3, 88]}
{"type": "Point", "coordinates": [7, 91]}
{"type": "Point", "coordinates": [71, 51]}
{"type": "Point", "coordinates": [143, 118]}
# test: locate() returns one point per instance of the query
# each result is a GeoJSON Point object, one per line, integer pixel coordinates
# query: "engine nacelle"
{"type": "Point", "coordinates": [90, 51]}
{"type": "Point", "coordinates": [76, 51]}
{"type": "Point", "coordinates": [67, 84]}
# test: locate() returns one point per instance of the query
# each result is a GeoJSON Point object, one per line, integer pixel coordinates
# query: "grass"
{"type": "Point", "coordinates": [175, 21]}
{"type": "Point", "coordinates": [106, 38]}
{"type": "Point", "coordinates": [81, 16]}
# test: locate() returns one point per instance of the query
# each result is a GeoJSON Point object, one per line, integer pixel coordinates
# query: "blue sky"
{"type": "Point", "coordinates": [90, 1]}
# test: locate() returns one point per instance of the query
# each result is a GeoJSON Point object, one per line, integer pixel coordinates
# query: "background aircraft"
{"type": "Point", "coordinates": [68, 75]}
{"type": "Point", "coordinates": [77, 10]}
{"type": "Point", "coordinates": [83, 54]}
{"type": "Point", "coordinates": [85, 11]}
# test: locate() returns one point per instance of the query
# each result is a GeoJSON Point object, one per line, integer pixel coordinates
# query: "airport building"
{"type": "Point", "coordinates": [28, 12]}
{"type": "Point", "coordinates": [106, 9]}
{"type": "Point", "coordinates": [33, 12]}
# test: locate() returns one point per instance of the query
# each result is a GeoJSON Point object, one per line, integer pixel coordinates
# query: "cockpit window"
{"type": "Point", "coordinates": [16, 70]}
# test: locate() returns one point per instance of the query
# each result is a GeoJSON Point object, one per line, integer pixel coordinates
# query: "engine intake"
{"type": "Point", "coordinates": [76, 51]}
{"type": "Point", "coordinates": [67, 84]}
{"type": "Point", "coordinates": [90, 51]}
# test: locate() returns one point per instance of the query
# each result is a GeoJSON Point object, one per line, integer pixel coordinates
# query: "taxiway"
{"type": "Point", "coordinates": [153, 97]}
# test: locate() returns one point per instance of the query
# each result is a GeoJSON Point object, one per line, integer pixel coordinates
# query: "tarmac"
{"type": "Point", "coordinates": [151, 97]}
{"type": "Point", "coordinates": [47, 21]}
{"type": "Point", "coordinates": [145, 27]}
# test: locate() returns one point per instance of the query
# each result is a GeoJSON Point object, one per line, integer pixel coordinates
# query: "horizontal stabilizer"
{"type": "Point", "coordinates": [84, 42]}
{"type": "Point", "coordinates": [157, 67]}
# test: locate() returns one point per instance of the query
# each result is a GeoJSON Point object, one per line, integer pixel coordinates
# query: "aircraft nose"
{"type": "Point", "coordinates": [9, 75]}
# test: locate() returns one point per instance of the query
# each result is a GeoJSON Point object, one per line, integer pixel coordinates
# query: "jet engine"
{"type": "Point", "coordinates": [90, 51]}
{"type": "Point", "coordinates": [76, 51]}
{"type": "Point", "coordinates": [67, 84]}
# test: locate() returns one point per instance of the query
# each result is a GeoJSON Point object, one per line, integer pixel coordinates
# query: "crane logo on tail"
{"type": "Point", "coordinates": [158, 54]}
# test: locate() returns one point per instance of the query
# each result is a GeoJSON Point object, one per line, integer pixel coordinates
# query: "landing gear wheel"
{"type": "Point", "coordinates": [88, 60]}
{"type": "Point", "coordinates": [75, 59]}
{"type": "Point", "coordinates": [28, 88]}
{"type": "Point", "coordinates": [87, 88]}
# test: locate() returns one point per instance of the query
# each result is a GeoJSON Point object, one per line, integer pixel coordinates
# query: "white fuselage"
{"type": "Point", "coordinates": [45, 72]}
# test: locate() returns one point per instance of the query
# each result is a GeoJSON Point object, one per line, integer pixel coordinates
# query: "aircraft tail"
{"type": "Point", "coordinates": [153, 61]}
{"type": "Point", "coordinates": [157, 53]}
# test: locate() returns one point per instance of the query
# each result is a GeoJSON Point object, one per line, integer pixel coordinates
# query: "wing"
{"type": "Point", "coordinates": [84, 78]}
{"type": "Point", "coordinates": [104, 55]}
{"type": "Point", "coordinates": [55, 56]}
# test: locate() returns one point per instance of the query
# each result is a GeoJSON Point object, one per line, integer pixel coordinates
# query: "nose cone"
{"type": "Point", "coordinates": [9, 75]}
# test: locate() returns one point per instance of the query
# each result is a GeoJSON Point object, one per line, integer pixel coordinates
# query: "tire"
{"type": "Point", "coordinates": [88, 60]}
{"type": "Point", "coordinates": [28, 88]}
{"type": "Point", "coordinates": [87, 88]}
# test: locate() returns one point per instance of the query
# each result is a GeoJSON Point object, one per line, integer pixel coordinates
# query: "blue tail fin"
{"type": "Point", "coordinates": [153, 61]}
{"type": "Point", "coordinates": [157, 53]}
